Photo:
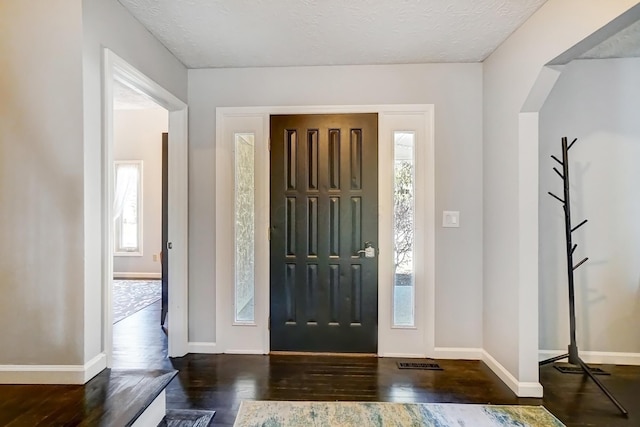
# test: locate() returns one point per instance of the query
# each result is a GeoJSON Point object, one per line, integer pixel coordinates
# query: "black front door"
{"type": "Point", "coordinates": [324, 212]}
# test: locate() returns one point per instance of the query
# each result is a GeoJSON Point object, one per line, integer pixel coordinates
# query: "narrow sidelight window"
{"type": "Point", "coordinates": [244, 227]}
{"type": "Point", "coordinates": [404, 229]}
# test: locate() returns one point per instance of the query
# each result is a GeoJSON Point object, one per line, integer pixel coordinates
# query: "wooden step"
{"type": "Point", "coordinates": [128, 393]}
{"type": "Point", "coordinates": [117, 397]}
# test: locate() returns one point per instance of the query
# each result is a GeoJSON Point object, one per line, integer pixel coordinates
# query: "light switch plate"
{"type": "Point", "coordinates": [451, 219]}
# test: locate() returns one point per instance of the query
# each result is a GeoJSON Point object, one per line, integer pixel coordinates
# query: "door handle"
{"type": "Point", "coordinates": [369, 251]}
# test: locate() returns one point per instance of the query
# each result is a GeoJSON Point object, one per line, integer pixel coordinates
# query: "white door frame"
{"type": "Point", "coordinates": [116, 68]}
{"type": "Point", "coordinates": [233, 337]}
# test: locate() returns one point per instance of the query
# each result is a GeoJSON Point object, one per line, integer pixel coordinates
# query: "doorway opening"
{"type": "Point", "coordinates": [118, 72]}
{"type": "Point", "coordinates": [243, 310]}
{"type": "Point", "coordinates": [140, 282]}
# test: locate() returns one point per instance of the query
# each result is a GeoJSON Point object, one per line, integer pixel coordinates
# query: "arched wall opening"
{"type": "Point", "coordinates": [518, 77]}
{"type": "Point", "coordinates": [595, 101]}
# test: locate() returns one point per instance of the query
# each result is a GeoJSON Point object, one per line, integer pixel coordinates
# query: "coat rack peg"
{"type": "Point", "coordinates": [556, 159]}
{"type": "Point", "coordinates": [572, 142]}
{"type": "Point", "coordinates": [579, 225]}
{"type": "Point", "coordinates": [581, 262]}
{"type": "Point", "coordinates": [573, 249]}
{"type": "Point", "coordinates": [558, 172]}
{"type": "Point", "coordinates": [556, 197]}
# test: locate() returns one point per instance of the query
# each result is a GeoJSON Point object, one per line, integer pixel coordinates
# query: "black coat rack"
{"type": "Point", "coordinates": [572, 355]}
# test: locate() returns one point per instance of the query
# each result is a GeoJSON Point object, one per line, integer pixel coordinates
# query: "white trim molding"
{"type": "Point", "coordinates": [458, 353]}
{"type": "Point", "coordinates": [203, 347]}
{"type": "Point", "coordinates": [154, 413]}
{"type": "Point", "coordinates": [53, 374]}
{"type": "Point", "coordinates": [136, 275]}
{"type": "Point", "coordinates": [116, 68]}
{"type": "Point", "coordinates": [520, 388]}
{"type": "Point", "coordinates": [402, 355]}
{"type": "Point", "coordinates": [597, 357]}
{"type": "Point", "coordinates": [94, 366]}
{"type": "Point", "coordinates": [419, 339]}
{"type": "Point", "coordinates": [398, 342]}
{"type": "Point", "coordinates": [245, 351]}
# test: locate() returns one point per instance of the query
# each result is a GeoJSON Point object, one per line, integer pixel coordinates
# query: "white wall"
{"type": "Point", "coordinates": [138, 136]}
{"type": "Point", "coordinates": [50, 166]}
{"type": "Point", "coordinates": [106, 23]}
{"type": "Point", "coordinates": [455, 89]}
{"type": "Point", "coordinates": [510, 321]}
{"type": "Point", "coordinates": [598, 102]}
{"type": "Point", "coordinates": [41, 177]}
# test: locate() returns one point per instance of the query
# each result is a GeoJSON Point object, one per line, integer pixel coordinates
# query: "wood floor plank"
{"type": "Point", "coordinates": [221, 382]}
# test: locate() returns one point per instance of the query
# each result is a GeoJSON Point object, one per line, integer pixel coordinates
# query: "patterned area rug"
{"type": "Point", "coordinates": [130, 296]}
{"type": "Point", "coordinates": [361, 414]}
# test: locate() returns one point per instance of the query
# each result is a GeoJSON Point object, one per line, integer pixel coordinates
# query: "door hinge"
{"type": "Point", "coordinates": [269, 144]}
{"type": "Point", "coordinates": [269, 233]}
{"type": "Point", "coordinates": [269, 323]}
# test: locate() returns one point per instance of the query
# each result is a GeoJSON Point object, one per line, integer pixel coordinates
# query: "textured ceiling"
{"type": "Point", "coordinates": [253, 33]}
{"type": "Point", "coordinates": [624, 44]}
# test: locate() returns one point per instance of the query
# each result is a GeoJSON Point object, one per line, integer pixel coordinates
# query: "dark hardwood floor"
{"type": "Point", "coordinates": [221, 382]}
{"type": "Point", "coordinates": [139, 342]}
{"type": "Point", "coordinates": [113, 398]}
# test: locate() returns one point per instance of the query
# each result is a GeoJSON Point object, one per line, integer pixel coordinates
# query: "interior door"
{"type": "Point", "coordinates": [164, 257]}
{"type": "Point", "coordinates": [324, 233]}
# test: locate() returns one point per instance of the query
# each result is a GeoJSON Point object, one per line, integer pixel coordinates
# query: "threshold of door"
{"type": "Point", "coordinates": [309, 353]}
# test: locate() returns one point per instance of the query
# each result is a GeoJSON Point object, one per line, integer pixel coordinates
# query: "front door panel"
{"type": "Point", "coordinates": [324, 212]}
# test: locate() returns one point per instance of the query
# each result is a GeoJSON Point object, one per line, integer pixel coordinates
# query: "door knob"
{"type": "Point", "coordinates": [369, 251]}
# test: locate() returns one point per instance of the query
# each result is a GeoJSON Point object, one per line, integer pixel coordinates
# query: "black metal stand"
{"type": "Point", "coordinates": [572, 355]}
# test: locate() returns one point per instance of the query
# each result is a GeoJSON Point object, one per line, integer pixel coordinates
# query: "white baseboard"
{"type": "Point", "coordinates": [212, 348]}
{"type": "Point", "coordinates": [403, 355]}
{"type": "Point", "coordinates": [134, 275]}
{"type": "Point", "coordinates": [94, 366]}
{"type": "Point", "coordinates": [52, 374]}
{"type": "Point", "coordinates": [597, 357]}
{"type": "Point", "coordinates": [154, 413]}
{"type": "Point", "coordinates": [520, 388]}
{"type": "Point", "coordinates": [457, 353]}
{"type": "Point", "coordinates": [454, 353]}
{"type": "Point", "coordinates": [202, 347]}
{"type": "Point", "coordinates": [232, 351]}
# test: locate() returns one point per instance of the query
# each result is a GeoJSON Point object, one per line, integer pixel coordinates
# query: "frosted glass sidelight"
{"type": "Point", "coordinates": [244, 228]}
{"type": "Point", "coordinates": [404, 229]}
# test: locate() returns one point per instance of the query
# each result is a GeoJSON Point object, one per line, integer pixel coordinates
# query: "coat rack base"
{"type": "Point", "coordinates": [574, 359]}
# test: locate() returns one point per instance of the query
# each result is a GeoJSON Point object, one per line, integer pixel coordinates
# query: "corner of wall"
{"type": "Point", "coordinates": [520, 388]}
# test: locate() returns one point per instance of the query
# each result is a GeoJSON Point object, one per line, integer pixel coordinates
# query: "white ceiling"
{"type": "Point", "coordinates": [256, 33]}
